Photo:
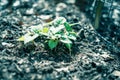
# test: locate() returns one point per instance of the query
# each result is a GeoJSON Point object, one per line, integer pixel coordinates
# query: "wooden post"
{"type": "Point", "coordinates": [100, 4]}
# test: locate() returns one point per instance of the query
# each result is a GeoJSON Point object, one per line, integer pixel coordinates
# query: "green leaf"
{"type": "Point", "coordinates": [67, 26]}
{"type": "Point", "coordinates": [36, 31]}
{"type": "Point", "coordinates": [52, 43]}
{"type": "Point", "coordinates": [59, 21]}
{"type": "Point", "coordinates": [68, 46]}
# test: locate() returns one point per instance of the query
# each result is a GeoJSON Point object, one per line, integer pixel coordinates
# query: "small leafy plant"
{"type": "Point", "coordinates": [58, 30]}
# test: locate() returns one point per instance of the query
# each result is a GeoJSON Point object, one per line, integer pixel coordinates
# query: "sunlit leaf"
{"type": "Point", "coordinates": [58, 35]}
{"type": "Point", "coordinates": [52, 44]}
{"type": "Point", "coordinates": [45, 30]}
{"type": "Point", "coordinates": [28, 37]}
{"type": "Point", "coordinates": [58, 29]}
{"type": "Point", "coordinates": [37, 27]}
{"type": "Point", "coordinates": [53, 37]}
{"type": "Point", "coordinates": [45, 34]}
{"type": "Point", "coordinates": [21, 38]}
{"type": "Point", "coordinates": [71, 36]}
{"type": "Point", "coordinates": [66, 40]}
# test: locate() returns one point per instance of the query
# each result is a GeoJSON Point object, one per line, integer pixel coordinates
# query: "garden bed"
{"type": "Point", "coordinates": [95, 55]}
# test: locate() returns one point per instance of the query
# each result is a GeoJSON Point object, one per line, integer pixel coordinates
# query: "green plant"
{"type": "Point", "coordinates": [59, 30]}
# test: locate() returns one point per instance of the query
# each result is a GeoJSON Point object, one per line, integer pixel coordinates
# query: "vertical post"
{"type": "Point", "coordinates": [100, 4]}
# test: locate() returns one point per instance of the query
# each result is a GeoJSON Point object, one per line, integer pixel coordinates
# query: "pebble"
{"type": "Point", "coordinates": [72, 69]}
{"type": "Point", "coordinates": [61, 6]}
{"type": "Point", "coordinates": [63, 69]}
{"type": "Point", "coordinates": [1, 47]}
{"type": "Point", "coordinates": [30, 11]}
{"type": "Point", "coordinates": [45, 17]}
{"type": "Point", "coordinates": [116, 12]}
{"type": "Point", "coordinates": [70, 1]}
{"type": "Point", "coordinates": [17, 3]}
{"type": "Point", "coordinates": [14, 68]}
{"type": "Point", "coordinates": [21, 61]}
{"type": "Point", "coordinates": [8, 44]}
{"type": "Point", "coordinates": [116, 73]}
{"type": "Point", "coordinates": [3, 2]}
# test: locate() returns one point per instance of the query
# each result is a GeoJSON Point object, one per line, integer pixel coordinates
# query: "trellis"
{"type": "Point", "coordinates": [98, 9]}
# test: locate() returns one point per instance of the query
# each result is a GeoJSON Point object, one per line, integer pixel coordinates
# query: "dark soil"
{"type": "Point", "coordinates": [95, 54]}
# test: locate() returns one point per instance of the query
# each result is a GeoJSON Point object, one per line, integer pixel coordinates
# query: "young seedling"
{"type": "Point", "coordinates": [59, 30]}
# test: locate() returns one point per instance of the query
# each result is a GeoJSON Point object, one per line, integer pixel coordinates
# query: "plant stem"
{"type": "Point", "coordinates": [74, 24]}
